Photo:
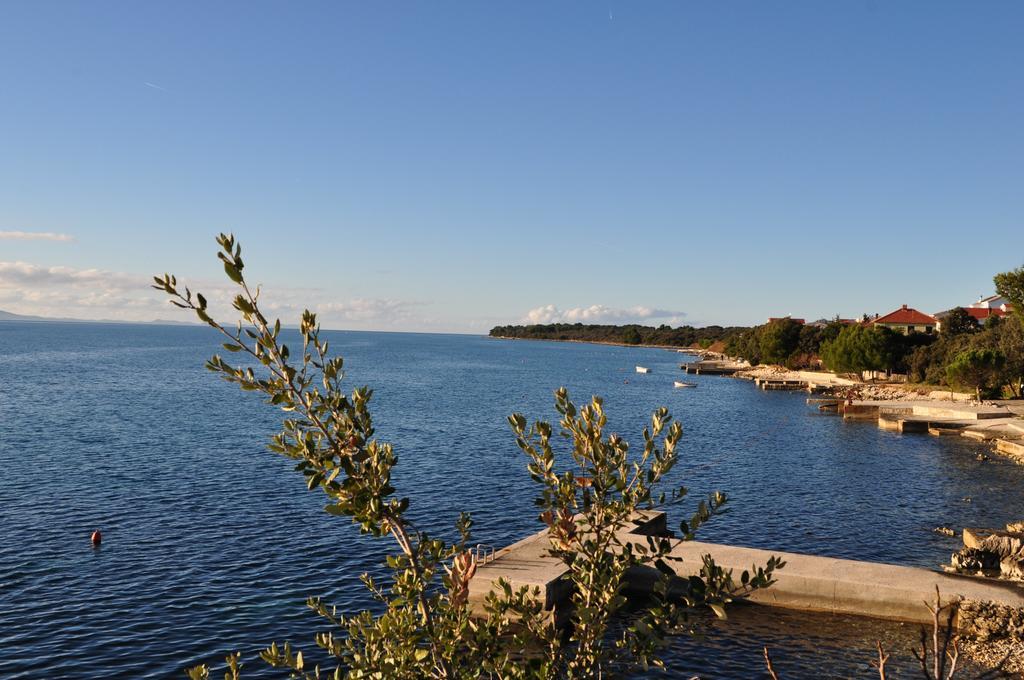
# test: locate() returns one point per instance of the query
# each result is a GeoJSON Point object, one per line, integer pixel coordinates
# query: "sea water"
{"type": "Point", "coordinates": [212, 543]}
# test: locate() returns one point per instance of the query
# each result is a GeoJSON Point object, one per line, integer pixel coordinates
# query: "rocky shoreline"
{"type": "Point", "coordinates": [848, 388]}
{"type": "Point", "coordinates": [991, 635]}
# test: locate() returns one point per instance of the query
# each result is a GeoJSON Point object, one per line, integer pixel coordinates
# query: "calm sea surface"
{"type": "Point", "coordinates": [212, 544]}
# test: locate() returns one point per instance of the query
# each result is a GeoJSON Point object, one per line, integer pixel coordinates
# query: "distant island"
{"type": "Point", "coordinates": [11, 316]}
{"type": "Point", "coordinates": [708, 337]}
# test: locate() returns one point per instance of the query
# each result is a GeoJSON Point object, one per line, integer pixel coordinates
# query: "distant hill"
{"type": "Point", "coordinates": [11, 316]}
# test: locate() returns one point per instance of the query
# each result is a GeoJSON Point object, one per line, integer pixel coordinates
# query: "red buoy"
{"type": "Point", "coordinates": [97, 537]}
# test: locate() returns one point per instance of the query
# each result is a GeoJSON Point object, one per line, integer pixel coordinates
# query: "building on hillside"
{"type": "Point", "coordinates": [773, 319]}
{"type": "Point", "coordinates": [906, 320]}
{"type": "Point", "coordinates": [993, 305]}
{"type": "Point", "coordinates": [992, 302]}
{"type": "Point", "coordinates": [980, 311]}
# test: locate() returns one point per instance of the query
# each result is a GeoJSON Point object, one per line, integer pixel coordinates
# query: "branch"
{"type": "Point", "coordinates": [883, 658]}
{"type": "Point", "coordinates": [768, 663]}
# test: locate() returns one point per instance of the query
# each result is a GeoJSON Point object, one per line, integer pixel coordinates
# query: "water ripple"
{"type": "Point", "coordinates": [212, 544]}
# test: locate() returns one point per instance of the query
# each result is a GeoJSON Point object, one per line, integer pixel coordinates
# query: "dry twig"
{"type": "Point", "coordinates": [768, 663]}
{"type": "Point", "coordinates": [882, 659]}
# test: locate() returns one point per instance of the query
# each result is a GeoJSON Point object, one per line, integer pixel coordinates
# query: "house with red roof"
{"type": "Point", "coordinates": [980, 311]}
{"type": "Point", "coordinates": [993, 305]}
{"type": "Point", "coordinates": [906, 320]}
{"type": "Point", "coordinates": [979, 314]}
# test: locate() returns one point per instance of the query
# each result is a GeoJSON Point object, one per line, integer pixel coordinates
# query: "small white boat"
{"type": "Point", "coordinates": [641, 369]}
{"type": "Point", "coordinates": [680, 383]}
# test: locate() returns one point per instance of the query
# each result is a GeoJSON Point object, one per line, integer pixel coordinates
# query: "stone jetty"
{"type": "Point", "coordinates": [807, 582]}
{"type": "Point", "coordinates": [993, 423]}
{"type": "Point", "coordinates": [713, 367]}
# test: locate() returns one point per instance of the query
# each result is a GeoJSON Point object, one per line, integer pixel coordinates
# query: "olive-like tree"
{"type": "Point", "coordinates": [981, 369]}
{"type": "Point", "coordinates": [1011, 286]}
{"type": "Point", "coordinates": [425, 626]}
{"type": "Point", "coordinates": [958, 322]}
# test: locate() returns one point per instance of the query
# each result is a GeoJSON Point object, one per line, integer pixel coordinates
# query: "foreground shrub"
{"type": "Point", "coordinates": [424, 626]}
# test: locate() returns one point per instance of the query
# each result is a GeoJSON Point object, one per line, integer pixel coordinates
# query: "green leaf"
{"type": "Point", "coordinates": [232, 272]}
{"type": "Point", "coordinates": [664, 568]}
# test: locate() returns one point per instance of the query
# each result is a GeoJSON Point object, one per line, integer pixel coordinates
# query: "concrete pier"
{"type": "Point", "coordinates": [943, 431]}
{"type": "Point", "coordinates": [711, 367]}
{"type": "Point", "coordinates": [807, 582]}
{"type": "Point", "coordinates": [1013, 449]}
{"type": "Point", "coordinates": [527, 563]}
{"type": "Point", "coordinates": [770, 384]}
{"type": "Point", "coordinates": [981, 422]}
{"type": "Point", "coordinates": [859, 411]}
{"type": "Point", "coordinates": [838, 586]}
{"type": "Point", "coordinates": [979, 435]}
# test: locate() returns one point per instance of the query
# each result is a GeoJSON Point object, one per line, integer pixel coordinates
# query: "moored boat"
{"type": "Point", "coordinates": [642, 369]}
{"type": "Point", "coordinates": [680, 383]}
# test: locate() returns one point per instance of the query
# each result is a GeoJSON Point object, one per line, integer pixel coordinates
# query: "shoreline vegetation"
{"type": "Point", "coordinates": [711, 338]}
{"type": "Point", "coordinates": [610, 343]}
{"type": "Point", "coordinates": [957, 353]}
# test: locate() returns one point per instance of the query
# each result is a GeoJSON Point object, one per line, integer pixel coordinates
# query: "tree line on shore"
{"type": "Point", "coordinates": [987, 358]}
{"type": "Point", "coordinates": [630, 334]}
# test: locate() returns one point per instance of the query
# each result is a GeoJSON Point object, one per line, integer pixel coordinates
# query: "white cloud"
{"type": "Point", "coordinates": [79, 293]}
{"type": "Point", "coordinates": [23, 273]}
{"type": "Point", "coordinates": [97, 294]}
{"type": "Point", "coordinates": [34, 236]}
{"type": "Point", "coordinates": [369, 313]}
{"type": "Point", "coordinates": [603, 314]}
{"type": "Point", "coordinates": [361, 309]}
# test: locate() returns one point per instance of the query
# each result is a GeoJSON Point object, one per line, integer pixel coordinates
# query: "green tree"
{"type": "Point", "coordinates": [684, 336]}
{"type": "Point", "coordinates": [1011, 286]}
{"type": "Point", "coordinates": [631, 336]}
{"type": "Point", "coordinates": [927, 363]}
{"type": "Point", "coordinates": [981, 369]}
{"type": "Point", "coordinates": [746, 345]}
{"type": "Point", "coordinates": [426, 628]}
{"type": "Point", "coordinates": [1008, 338]}
{"type": "Point", "coordinates": [958, 322]}
{"type": "Point", "coordinates": [778, 340]}
{"type": "Point", "coordinates": [1012, 346]}
{"type": "Point", "coordinates": [858, 348]}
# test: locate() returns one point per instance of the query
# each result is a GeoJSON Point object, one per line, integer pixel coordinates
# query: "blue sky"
{"type": "Point", "coordinates": [452, 166]}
